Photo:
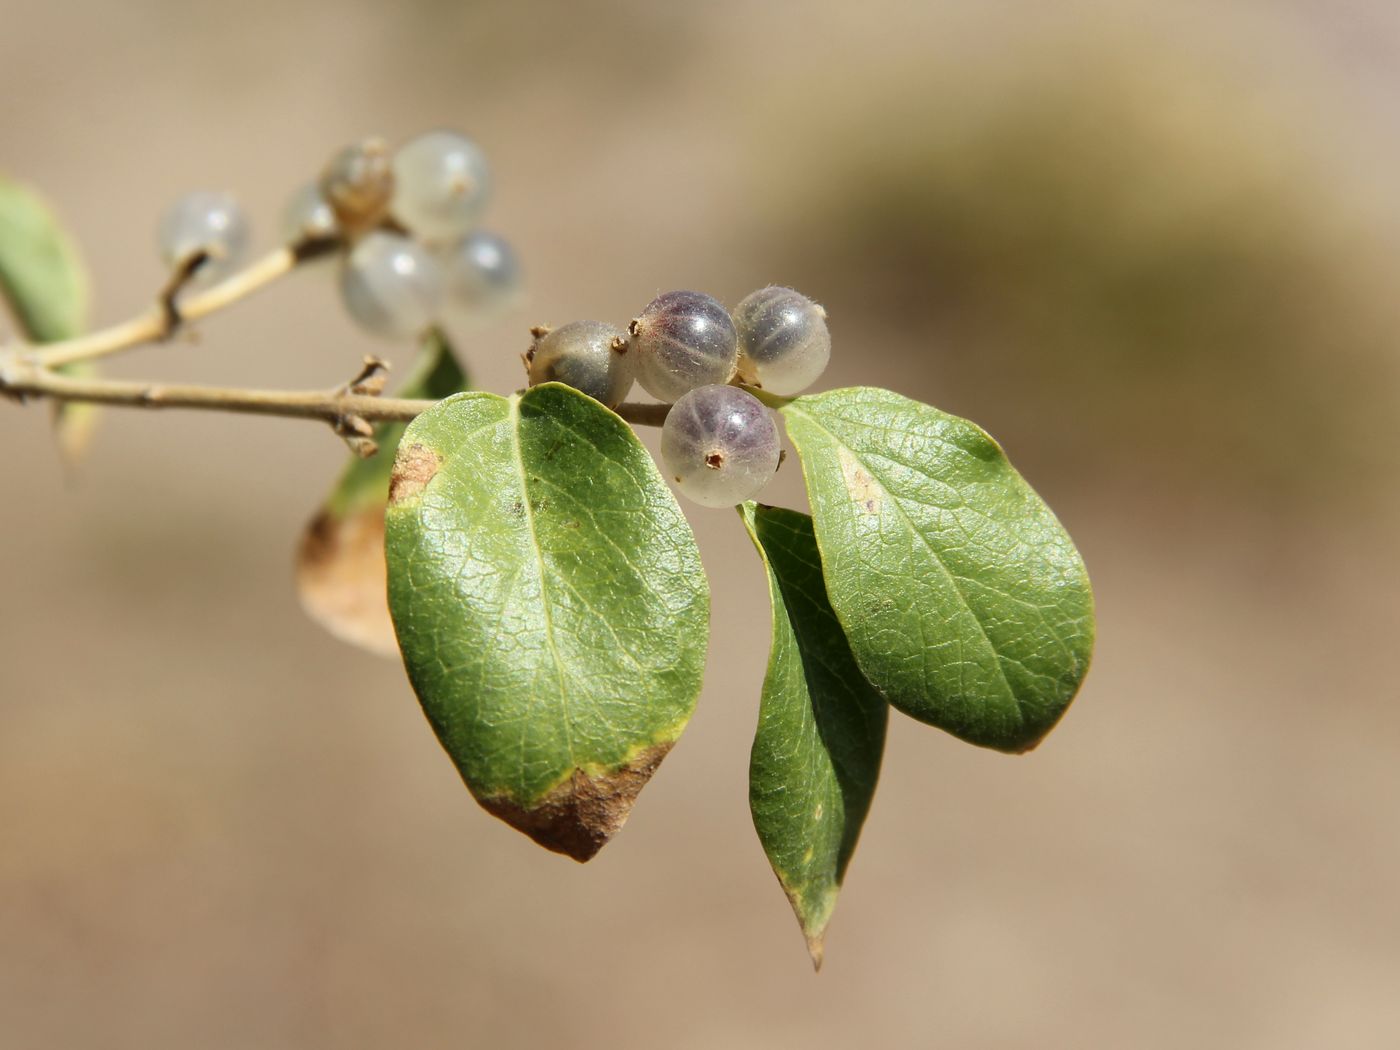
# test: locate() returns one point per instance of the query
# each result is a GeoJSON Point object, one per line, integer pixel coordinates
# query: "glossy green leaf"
{"type": "Point", "coordinates": [340, 560]}
{"type": "Point", "coordinates": [821, 728]}
{"type": "Point", "coordinates": [965, 601]}
{"type": "Point", "coordinates": [550, 605]}
{"type": "Point", "coordinates": [44, 283]}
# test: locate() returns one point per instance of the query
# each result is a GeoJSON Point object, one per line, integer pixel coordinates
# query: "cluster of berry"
{"type": "Point", "coordinates": [719, 442]}
{"type": "Point", "coordinates": [407, 221]}
{"type": "Point", "coordinates": [404, 225]}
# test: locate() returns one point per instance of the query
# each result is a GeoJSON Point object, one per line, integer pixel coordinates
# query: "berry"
{"type": "Point", "coordinates": [784, 344]}
{"type": "Point", "coordinates": [308, 216]}
{"type": "Point", "coordinates": [205, 222]}
{"type": "Point", "coordinates": [587, 355]}
{"type": "Point", "coordinates": [481, 275]}
{"type": "Point", "coordinates": [441, 183]}
{"type": "Point", "coordinates": [358, 183]}
{"type": "Point", "coordinates": [720, 444]}
{"type": "Point", "coordinates": [391, 285]}
{"type": "Point", "coordinates": [683, 340]}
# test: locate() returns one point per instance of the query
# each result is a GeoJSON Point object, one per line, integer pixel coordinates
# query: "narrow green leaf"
{"type": "Point", "coordinates": [44, 283]}
{"type": "Point", "coordinates": [340, 561]}
{"type": "Point", "coordinates": [965, 601]}
{"type": "Point", "coordinates": [41, 275]}
{"type": "Point", "coordinates": [821, 728]}
{"type": "Point", "coordinates": [550, 605]}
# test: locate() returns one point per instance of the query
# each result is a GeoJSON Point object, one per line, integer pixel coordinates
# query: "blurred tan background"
{"type": "Point", "coordinates": [1153, 246]}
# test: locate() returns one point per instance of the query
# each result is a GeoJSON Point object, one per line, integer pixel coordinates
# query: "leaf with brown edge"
{"type": "Point", "coordinates": [340, 560]}
{"type": "Point", "coordinates": [44, 283]}
{"type": "Point", "coordinates": [578, 817]}
{"type": "Point", "coordinates": [340, 569]}
{"type": "Point", "coordinates": [550, 606]}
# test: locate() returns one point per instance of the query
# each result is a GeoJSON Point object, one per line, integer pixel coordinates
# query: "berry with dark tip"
{"type": "Point", "coordinates": [720, 444]}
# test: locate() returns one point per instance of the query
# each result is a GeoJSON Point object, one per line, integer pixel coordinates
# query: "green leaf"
{"type": "Point", "coordinates": [964, 599]}
{"type": "Point", "coordinates": [44, 282]}
{"type": "Point", "coordinates": [821, 728]}
{"type": "Point", "coordinates": [550, 604]}
{"type": "Point", "coordinates": [41, 275]}
{"type": "Point", "coordinates": [340, 560]}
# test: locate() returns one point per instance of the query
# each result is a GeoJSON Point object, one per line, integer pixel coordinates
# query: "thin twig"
{"type": "Point", "coordinates": [179, 279]}
{"type": "Point", "coordinates": [344, 407]}
{"type": "Point", "coordinates": [21, 379]}
{"type": "Point", "coordinates": [165, 316]}
{"type": "Point", "coordinates": [643, 414]}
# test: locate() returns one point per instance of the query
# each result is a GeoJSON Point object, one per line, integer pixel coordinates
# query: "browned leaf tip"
{"type": "Point", "coordinates": [579, 816]}
{"type": "Point", "coordinates": [340, 579]}
{"type": "Point", "coordinates": [414, 467]}
{"type": "Point", "coordinates": [73, 423]}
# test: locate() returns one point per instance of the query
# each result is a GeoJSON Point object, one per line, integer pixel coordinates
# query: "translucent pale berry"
{"type": "Point", "coordinates": [308, 216]}
{"type": "Point", "coordinates": [441, 183]}
{"type": "Point", "coordinates": [784, 344]}
{"type": "Point", "coordinates": [205, 222]}
{"type": "Point", "coordinates": [683, 340]}
{"type": "Point", "coordinates": [583, 355]}
{"type": "Point", "coordinates": [482, 276]}
{"type": "Point", "coordinates": [391, 285]}
{"type": "Point", "coordinates": [720, 445]}
{"type": "Point", "coordinates": [358, 183]}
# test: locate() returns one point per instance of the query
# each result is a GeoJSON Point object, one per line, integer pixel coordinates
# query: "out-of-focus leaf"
{"type": "Point", "coordinates": [340, 561]}
{"type": "Point", "coordinates": [965, 601]}
{"type": "Point", "coordinates": [821, 728]}
{"type": "Point", "coordinates": [41, 274]}
{"type": "Point", "coordinates": [44, 282]}
{"type": "Point", "coordinates": [550, 605]}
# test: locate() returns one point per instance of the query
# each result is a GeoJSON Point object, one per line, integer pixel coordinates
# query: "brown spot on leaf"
{"type": "Point", "coordinates": [863, 489]}
{"type": "Point", "coordinates": [579, 816]}
{"type": "Point", "coordinates": [414, 467]}
{"type": "Point", "coordinates": [340, 579]}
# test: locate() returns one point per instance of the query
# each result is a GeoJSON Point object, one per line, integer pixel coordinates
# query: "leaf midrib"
{"type": "Point", "coordinates": [529, 514]}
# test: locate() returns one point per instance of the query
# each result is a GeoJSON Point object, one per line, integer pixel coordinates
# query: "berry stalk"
{"type": "Point", "coordinates": [161, 320]}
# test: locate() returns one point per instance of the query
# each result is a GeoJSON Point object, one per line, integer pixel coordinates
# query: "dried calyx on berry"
{"type": "Point", "coordinates": [589, 356]}
{"type": "Point", "coordinates": [358, 184]}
